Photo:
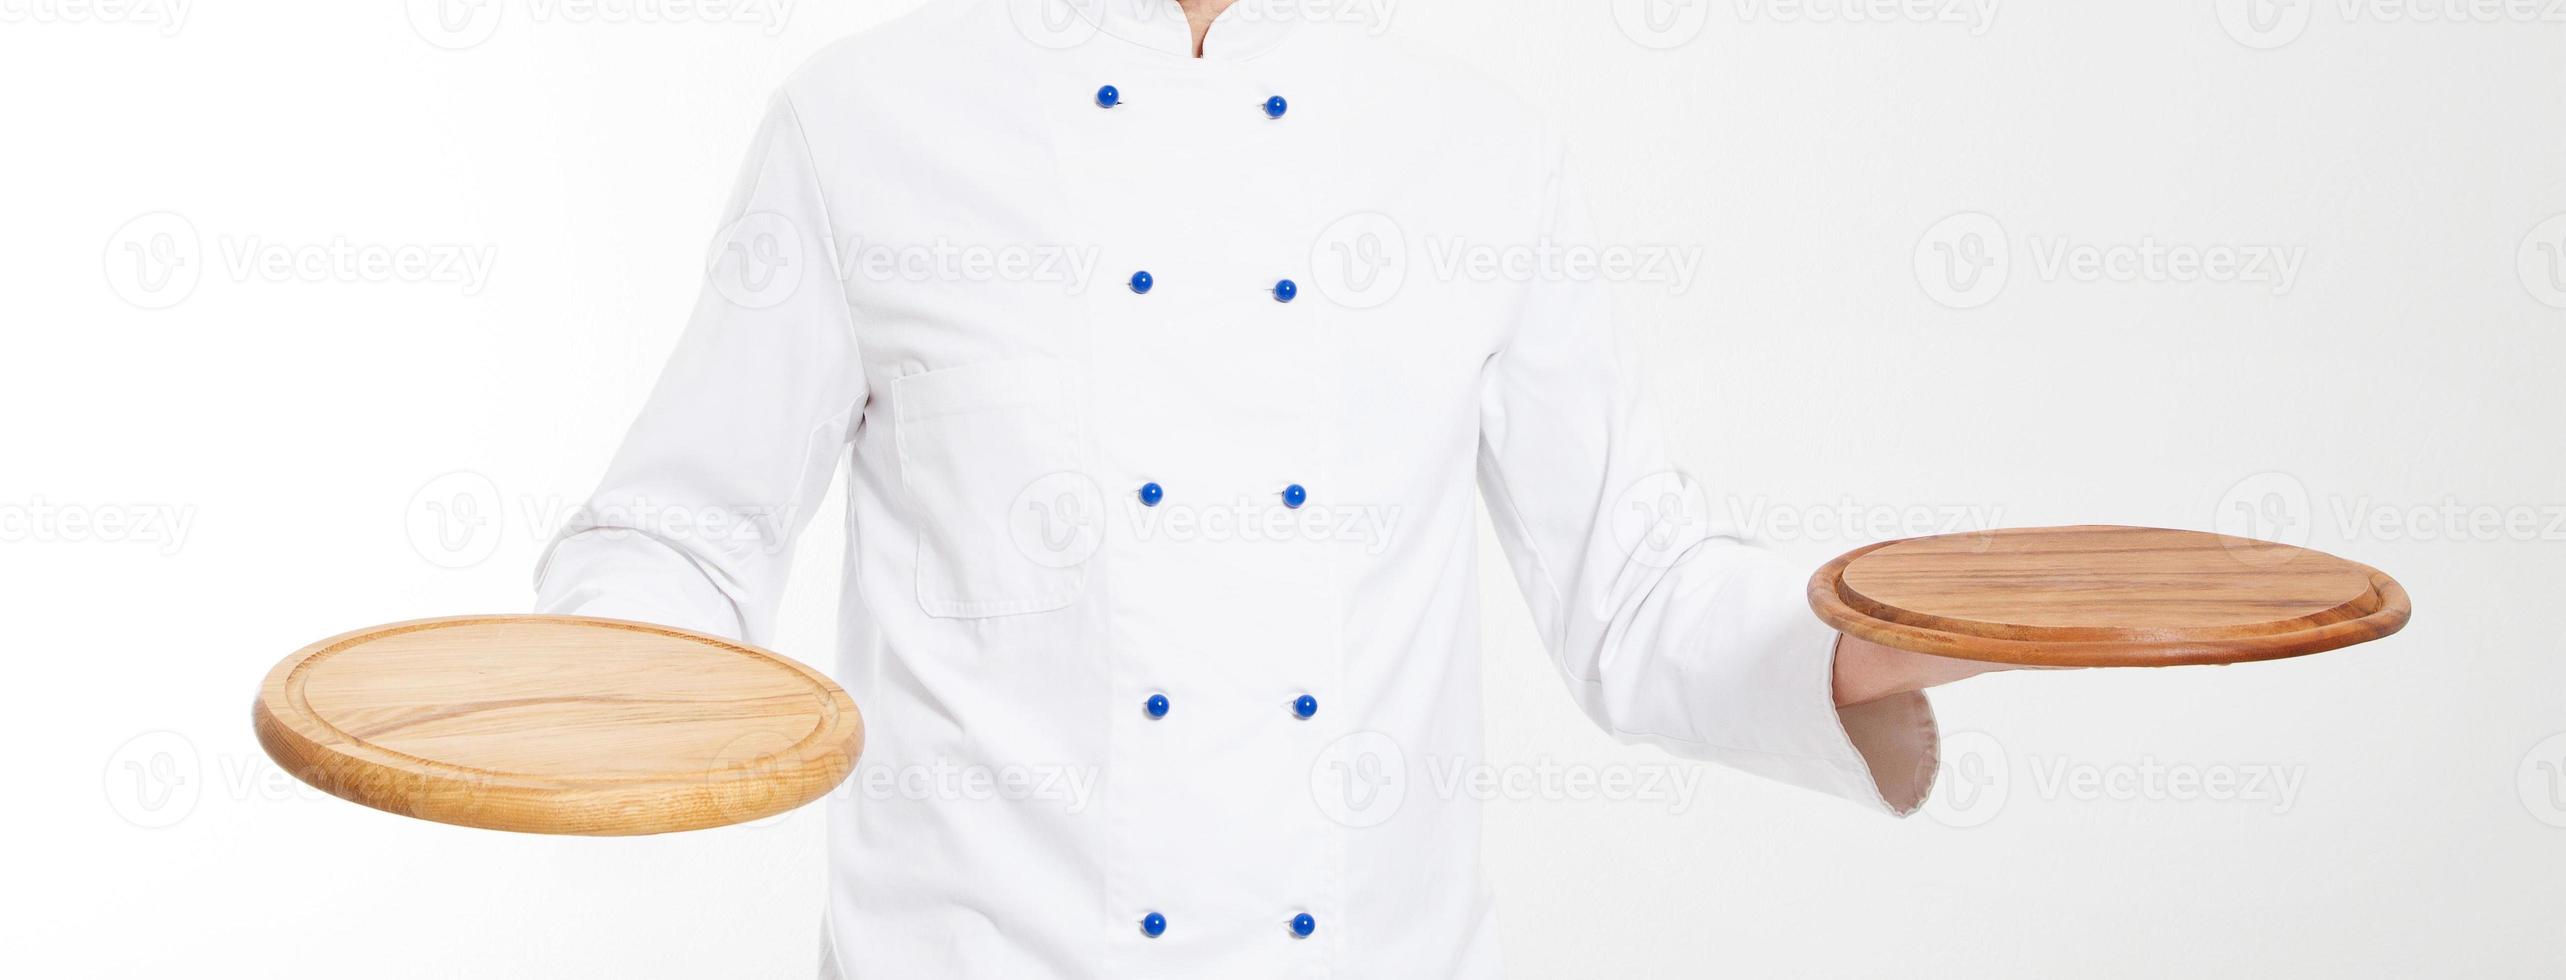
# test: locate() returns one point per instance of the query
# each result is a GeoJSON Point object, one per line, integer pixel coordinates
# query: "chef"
{"type": "Point", "coordinates": [1188, 536]}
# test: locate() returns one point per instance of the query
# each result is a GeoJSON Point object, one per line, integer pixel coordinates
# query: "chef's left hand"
{"type": "Point", "coordinates": [1866, 671]}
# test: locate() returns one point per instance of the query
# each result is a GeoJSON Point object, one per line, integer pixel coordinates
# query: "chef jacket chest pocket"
{"type": "Point", "coordinates": [1006, 520]}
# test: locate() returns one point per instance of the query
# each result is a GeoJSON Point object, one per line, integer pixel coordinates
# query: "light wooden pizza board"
{"type": "Point", "coordinates": [557, 725]}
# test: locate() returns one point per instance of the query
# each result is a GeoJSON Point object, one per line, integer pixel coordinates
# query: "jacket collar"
{"type": "Point", "coordinates": [1247, 29]}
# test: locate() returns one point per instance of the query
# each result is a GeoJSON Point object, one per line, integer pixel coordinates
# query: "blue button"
{"type": "Point", "coordinates": [1305, 706]}
{"type": "Point", "coordinates": [1109, 96]}
{"type": "Point", "coordinates": [1294, 496]}
{"type": "Point", "coordinates": [1141, 281]}
{"type": "Point", "coordinates": [1151, 494]}
{"type": "Point", "coordinates": [1303, 925]}
{"type": "Point", "coordinates": [1156, 706]}
{"type": "Point", "coordinates": [1284, 290]}
{"type": "Point", "coordinates": [1274, 107]}
{"type": "Point", "coordinates": [1152, 925]}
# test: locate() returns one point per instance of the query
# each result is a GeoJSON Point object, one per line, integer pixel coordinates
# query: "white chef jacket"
{"type": "Point", "coordinates": [1164, 610]}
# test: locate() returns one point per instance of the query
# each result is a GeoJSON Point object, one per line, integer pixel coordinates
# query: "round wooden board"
{"type": "Point", "coordinates": [2104, 596]}
{"type": "Point", "coordinates": [557, 725]}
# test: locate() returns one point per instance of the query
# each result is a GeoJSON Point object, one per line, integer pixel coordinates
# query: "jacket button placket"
{"type": "Point", "coordinates": [1156, 705]}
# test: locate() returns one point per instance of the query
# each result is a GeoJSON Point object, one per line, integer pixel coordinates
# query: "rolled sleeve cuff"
{"type": "Point", "coordinates": [1772, 711]}
{"type": "Point", "coordinates": [1900, 746]}
{"type": "Point", "coordinates": [1880, 754]}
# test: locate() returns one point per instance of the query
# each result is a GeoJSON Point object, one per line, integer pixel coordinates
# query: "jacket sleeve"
{"type": "Point", "coordinates": [695, 521]}
{"type": "Point", "coordinates": [1668, 628]}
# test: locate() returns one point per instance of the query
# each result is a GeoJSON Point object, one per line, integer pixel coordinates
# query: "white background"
{"type": "Point", "coordinates": [189, 492]}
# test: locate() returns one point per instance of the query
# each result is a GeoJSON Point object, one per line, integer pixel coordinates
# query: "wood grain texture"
{"type": "Point", "coordinates": [557, 724]}
{"type": "Point", "coordinates": [2105, 596]}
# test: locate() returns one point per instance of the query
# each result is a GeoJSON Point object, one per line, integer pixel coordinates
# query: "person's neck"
{"type": "Point", "coordinates": [1198, 15]}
